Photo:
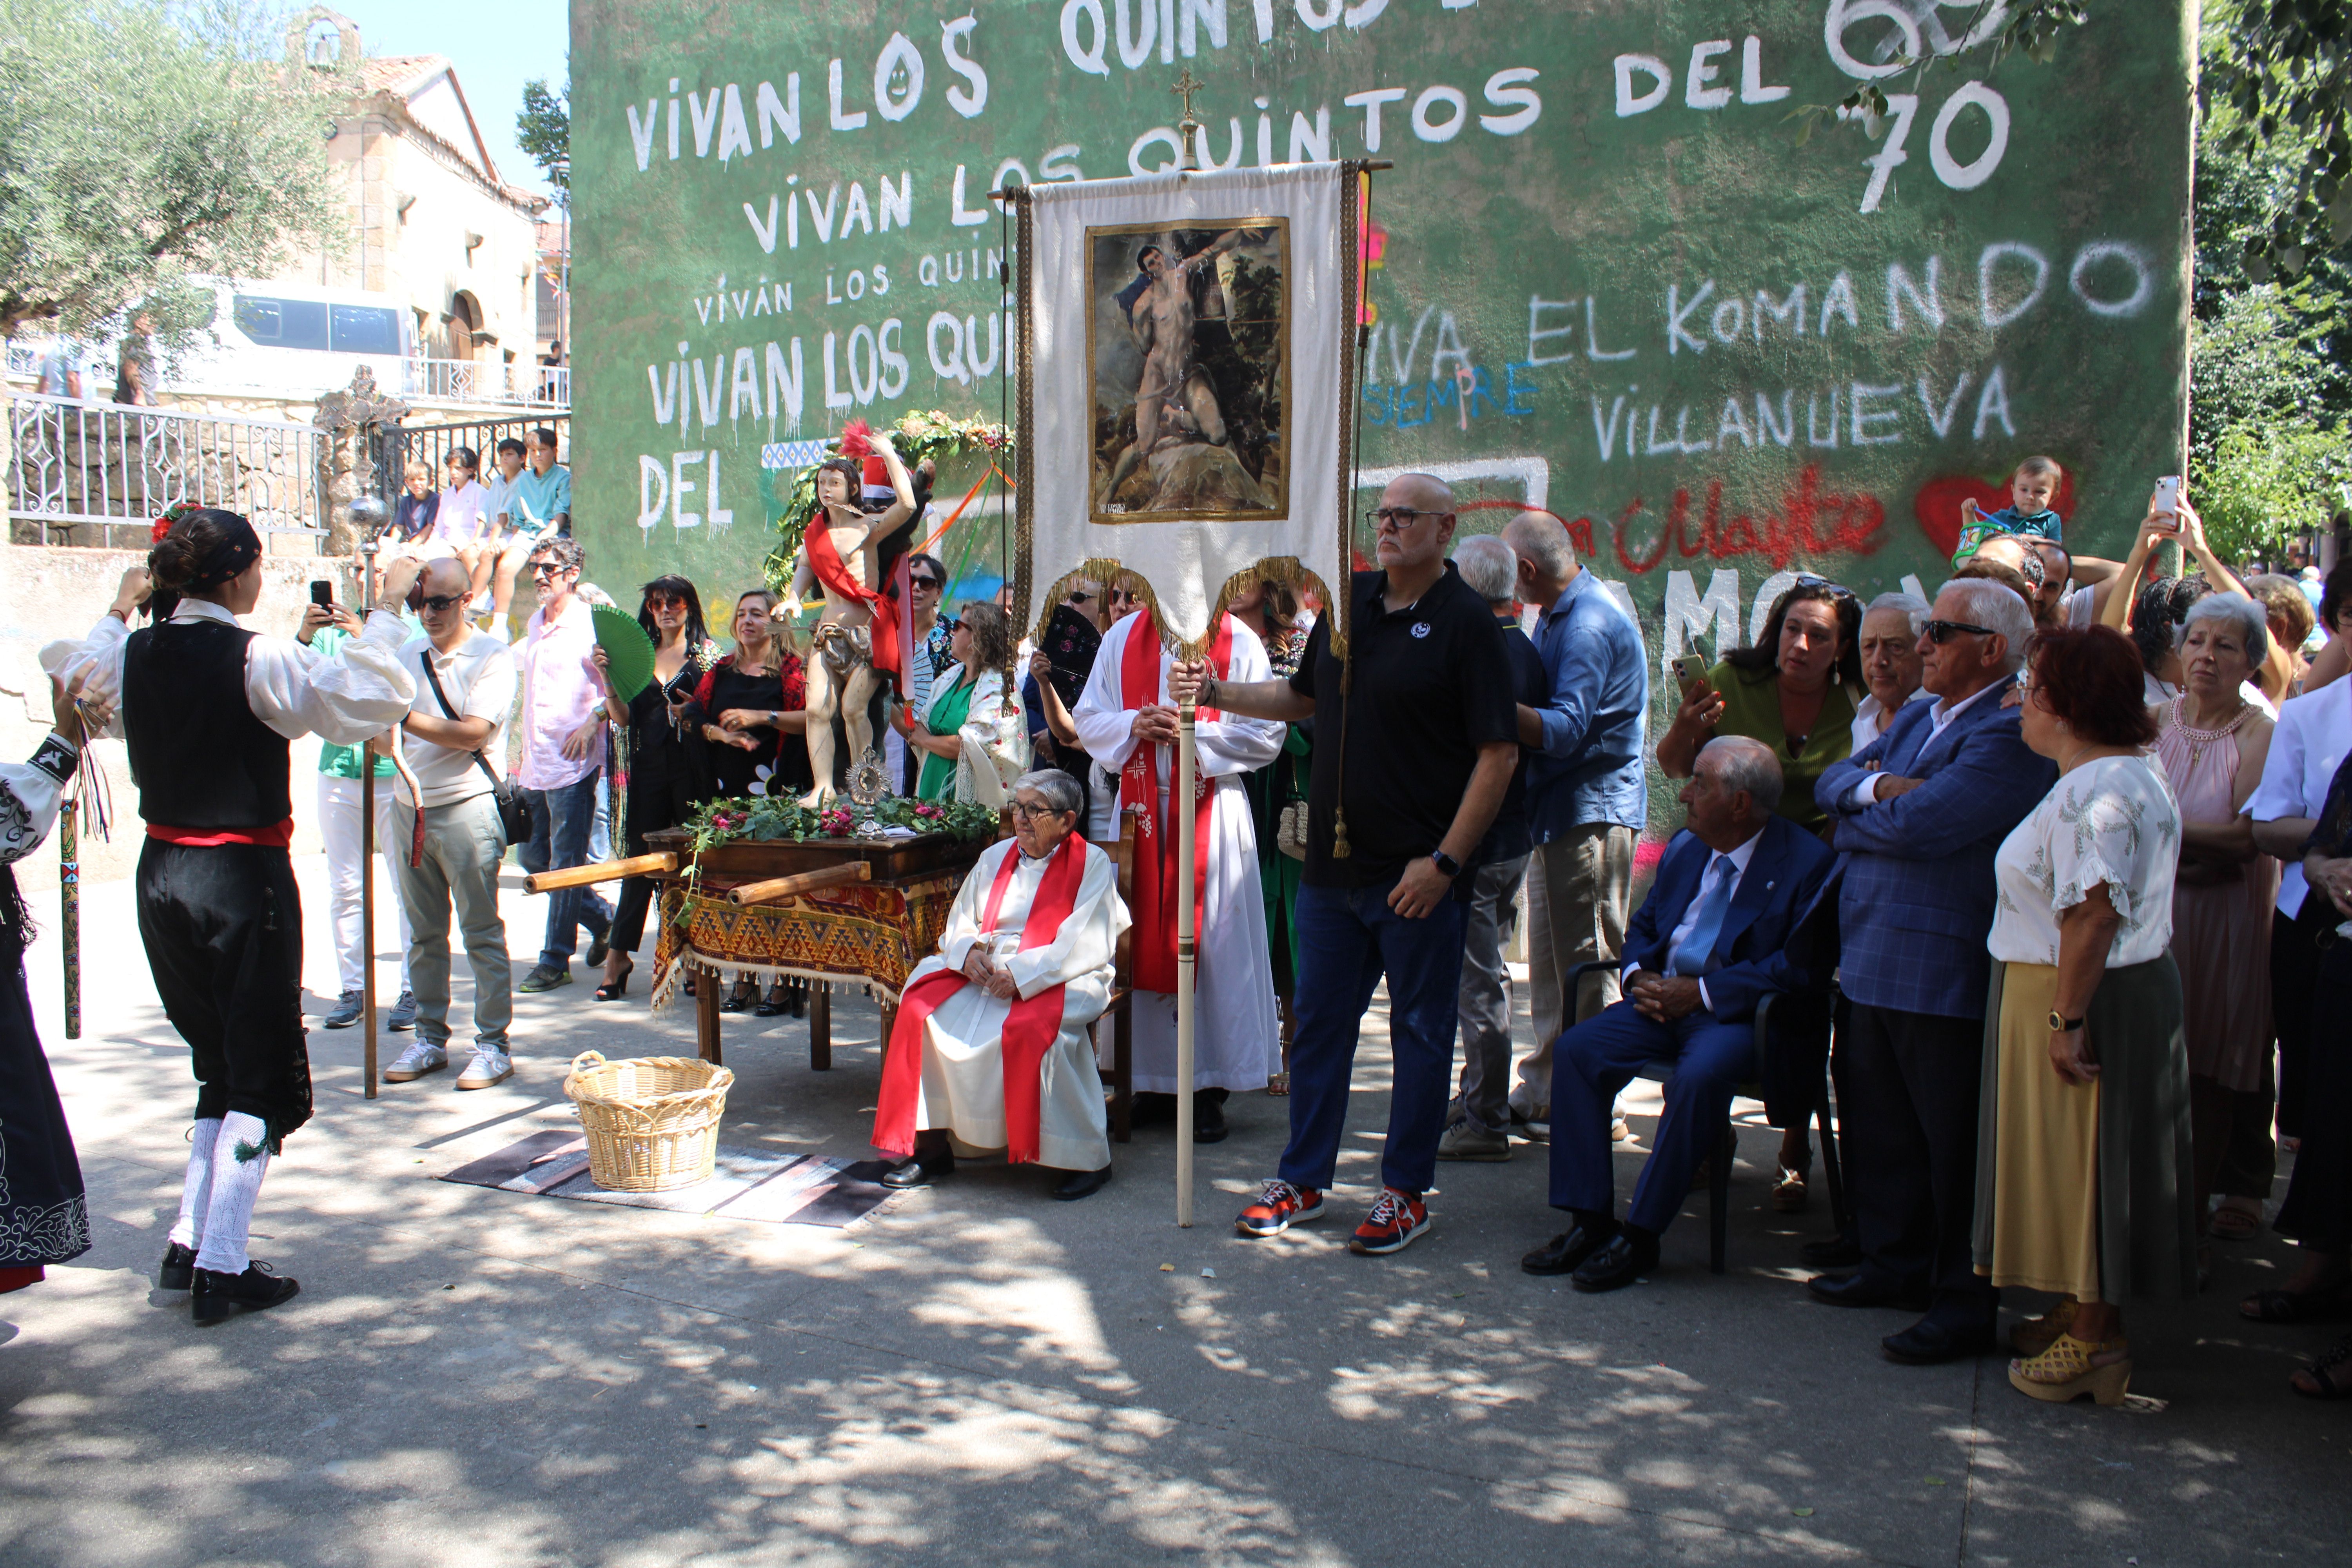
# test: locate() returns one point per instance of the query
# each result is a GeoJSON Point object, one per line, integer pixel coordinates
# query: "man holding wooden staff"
{"type": "Point", "coordinates": [1422, 740]}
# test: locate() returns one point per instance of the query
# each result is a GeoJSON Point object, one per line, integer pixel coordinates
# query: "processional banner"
{"type": "Point", "coordinates": [1188, 335]}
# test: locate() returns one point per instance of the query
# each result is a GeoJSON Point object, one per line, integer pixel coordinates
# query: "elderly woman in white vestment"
{"type": "Point", "coordinates": [991, 1045]}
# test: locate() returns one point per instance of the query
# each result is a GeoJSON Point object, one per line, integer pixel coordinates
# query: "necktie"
{"type": "Point", "coordinates": [1698, 952]}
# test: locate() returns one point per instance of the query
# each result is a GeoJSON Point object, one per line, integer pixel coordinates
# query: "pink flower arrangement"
{"type": "Point", "coordinates": [836, 824]}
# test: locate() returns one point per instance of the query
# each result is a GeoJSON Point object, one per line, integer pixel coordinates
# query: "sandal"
{"type": "Point", "coordinates": [2032, 1337]}
{"type": "Point", "coordinates": [1788, 1192]}
{"type": "Point", "coordinates": [614, 989]}
{"type": "Point", "coordinates": [2320, 1380]}
{"type": "Point", "coordinates": [2065, 1373]}
{"type": "Point", "coordinates": [2229, 1224]}
{"type": "Point", "coordinates": [2323, 1304]}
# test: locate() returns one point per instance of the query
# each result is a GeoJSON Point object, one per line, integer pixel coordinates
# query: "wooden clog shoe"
{"type": "Point", "coordinates": [2032, 1337]}
{"type": "Point", "coordinates": [2065, 1373]}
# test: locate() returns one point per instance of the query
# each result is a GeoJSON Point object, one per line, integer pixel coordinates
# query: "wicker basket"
{"type": "Point", "coordinates": [652, 1122]}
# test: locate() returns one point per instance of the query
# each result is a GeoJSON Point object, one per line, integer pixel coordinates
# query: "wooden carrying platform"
{"type": "Point", "coordinates": [861, 912]}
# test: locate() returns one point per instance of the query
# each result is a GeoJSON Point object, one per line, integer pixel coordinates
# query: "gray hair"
{"type": "Point", "coordinates": [563, 549]}
{"type": "Point", "coordinates": [1489, 566]}
{"type": "Point", "coordinates": [1991, 604]}
{"type": "Point", "coordinates": [1911, 604]}
{"type": "Point", "coordinates": [1542, 539]}
{"type": "Point", "coordinates": [2252, 621]}
{"type": "Point", "coordinates": [1059, 790]}
{"type": "Point", "coordinates": [1748, 764]}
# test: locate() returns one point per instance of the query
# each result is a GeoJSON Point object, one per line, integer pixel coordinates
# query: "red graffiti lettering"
{"type": "Point", "coordinates": [1811, 523]}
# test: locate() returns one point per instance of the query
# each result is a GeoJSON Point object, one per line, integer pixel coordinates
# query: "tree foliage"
{"type": "Point", "coordinates": [543, 130]}
{"type": "Point", "coordinates": [2286, 76]}
{"type": "Point", "coordinates": [142, 143]}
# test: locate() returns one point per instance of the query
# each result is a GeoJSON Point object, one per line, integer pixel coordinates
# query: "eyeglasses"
{"type": "Point", "coordinates": [1080, 596]}
{"type": "Point", "coordinates": [1397, 517]}
{"type": "Point", "coordinates": [1032, 813]}
{"type": "Point", "coordinates": [442, 604]}
{"type": "Point", "coordinates": [925, 585]}
{"type": "Point", "coordinates": [1941, 632]}
{"type": "Point", "coordinates": [547, 569]}
{"type": "Point", "coordinates": [952, 624]}
{"type": "Point", "coordinates": [1837, 590]}
{"type": "Point", "coordinates": [664, 600]}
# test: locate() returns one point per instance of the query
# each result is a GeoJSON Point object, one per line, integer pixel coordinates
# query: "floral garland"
{"type": "Point", "coordinates": [775, 819]}
{"type": "Point", "coordinates": [920, 434]}
{"type": "Point", "coordinates": [172, 514]}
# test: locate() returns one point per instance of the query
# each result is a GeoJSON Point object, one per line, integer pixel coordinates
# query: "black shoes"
{"type": "Point", "coordinates": [1861, 1291]}
{"type": "Point", "coordinates": [1927, 1342]}
{"type": "Point", "coordinates": [218, 1297]}
{"type": "Point", "coordinates": [1081, 1183]}
{"type": "Point", "coordinates": [1837, 1252]}
{"type": "Point", "coordinates": [919, 1172]}
{"type": "Point", "coordinates": [599, 945]}
{"type": "Point", "coordinates": [179, 1269]}
{"type": "Point", "coordinates": [1566, 1252]}
{"type": "Point", "coordinates": [1209, 1115]}
{"type": "Point", "coordinates": [1623, 1259]}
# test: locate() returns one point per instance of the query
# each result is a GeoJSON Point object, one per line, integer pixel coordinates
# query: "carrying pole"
{"type": "Point", "coordinates": [1179, 823]}
{"type": "Point", "coordinates": [367, 859]}
{"type": "Point", "coordinates": [69, 900]}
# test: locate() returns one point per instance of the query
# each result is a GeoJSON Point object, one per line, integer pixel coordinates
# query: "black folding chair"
{"type": "Point", "coordinates": [1805, 1028]}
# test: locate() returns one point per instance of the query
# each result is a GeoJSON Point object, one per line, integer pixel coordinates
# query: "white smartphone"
{"type": "Point", "coordinates": [2167, 496]}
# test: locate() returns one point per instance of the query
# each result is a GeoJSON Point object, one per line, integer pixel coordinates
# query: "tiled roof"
{"type": "Point", "coordinates": [401, 73]}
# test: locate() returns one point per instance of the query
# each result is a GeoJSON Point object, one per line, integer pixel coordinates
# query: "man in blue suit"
{"type": "Point", "coordinates": [1705, 947]}
{"type": "Point", "coordinates": [1917, 815]}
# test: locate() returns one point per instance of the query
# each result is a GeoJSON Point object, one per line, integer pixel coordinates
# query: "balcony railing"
{"type": "Point", "coordinates": [532, 385]}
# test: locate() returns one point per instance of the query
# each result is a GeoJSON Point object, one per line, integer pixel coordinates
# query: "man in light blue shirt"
{"type": "Point", "coordinates": [1586, 797]}
{"type": "Point", "coordinates": [534, 507]}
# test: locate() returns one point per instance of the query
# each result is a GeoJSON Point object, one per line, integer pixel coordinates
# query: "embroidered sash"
{"type": "Point", "coordinates": [1153, 944]}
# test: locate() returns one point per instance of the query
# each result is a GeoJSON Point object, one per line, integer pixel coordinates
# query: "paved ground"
{"type": "Point", "coordinates": [976, 1375]}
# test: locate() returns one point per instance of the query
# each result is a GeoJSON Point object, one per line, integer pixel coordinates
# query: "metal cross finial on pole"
{"type": "Point", "coordinates": [1187, 127]}
{"type": "Point", "coordinates": [1184, 89]}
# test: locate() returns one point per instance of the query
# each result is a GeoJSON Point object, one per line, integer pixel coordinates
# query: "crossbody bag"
{"type": "Point", "coordinates": [514, 807]}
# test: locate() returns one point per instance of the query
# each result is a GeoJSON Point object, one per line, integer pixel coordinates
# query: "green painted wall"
{"type": "Point", "coordinates": [1613, 284]}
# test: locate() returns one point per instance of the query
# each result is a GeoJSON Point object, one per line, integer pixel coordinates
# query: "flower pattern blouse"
{"type": "Point", "coordinates": [2113, 821]}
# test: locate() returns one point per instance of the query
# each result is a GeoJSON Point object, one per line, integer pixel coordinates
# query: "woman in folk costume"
{"type": "Point", "coordinates": [991, 1045]}
{"type": "Point", "coordinates": [1127, 722]}
{"type": "Point", "coordinates": [209, 708]}
{"type": "Point", "coordinates": [43, 1218]}
{"type": "Point", "coordinates": [855, 647]}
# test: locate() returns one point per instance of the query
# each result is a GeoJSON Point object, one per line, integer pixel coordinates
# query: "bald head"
{"type": "Point", "coordinates": [446, 575]}
{"type": "Point", "coordinates": [1424, 492]}
{"type": "Point", "coordinates": [1414, 526]}
{"type": "Point", "coordinates": [1547, 555]}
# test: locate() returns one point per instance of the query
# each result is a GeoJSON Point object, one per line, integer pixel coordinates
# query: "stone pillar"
{"type": "Point", "coordinates": [351, 419]}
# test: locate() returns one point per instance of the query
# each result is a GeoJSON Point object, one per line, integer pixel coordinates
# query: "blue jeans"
{"type": "Point", "coordinates": [1599, 1057]}
{"type": "Point", "coordinates": [559, 824]}
{"type": "Point", "coordinates": [1348, 939]}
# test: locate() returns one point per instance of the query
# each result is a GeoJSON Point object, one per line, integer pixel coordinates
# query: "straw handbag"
{"type": "Point", "coordinates": [652, 1122]}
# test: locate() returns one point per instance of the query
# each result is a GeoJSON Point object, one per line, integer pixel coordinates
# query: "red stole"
{"type": "Point", "coordinates": [1153, 945]}
{"type": "Point", "coordinates": [1029, 1028]}
{"type": "Point", "coordinates": [841, 584]}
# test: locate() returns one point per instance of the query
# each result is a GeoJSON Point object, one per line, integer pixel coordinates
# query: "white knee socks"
{"type": "Point", "coordinates": [196, 1191]}
{"type": "Point", "coordinates": [240, 1156]}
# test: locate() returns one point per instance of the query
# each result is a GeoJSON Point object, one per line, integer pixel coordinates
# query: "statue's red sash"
{"type": "Point", "coordinates": [842, 584]}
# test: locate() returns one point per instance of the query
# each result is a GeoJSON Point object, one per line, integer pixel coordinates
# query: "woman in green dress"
{"type": "Point", "coordinates": [972, 691]}
{"type": "Point", "coordinates": [1796, 691]}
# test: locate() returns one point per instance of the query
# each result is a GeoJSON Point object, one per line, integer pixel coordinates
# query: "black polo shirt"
{"type": "Point", "coordinates": [1432, 685]}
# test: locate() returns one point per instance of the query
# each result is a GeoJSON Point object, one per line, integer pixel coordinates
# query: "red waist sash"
{"type": "Point", "coordinates": [276, 836]}
{"type": "Point", "coordinates": [1154, 940]}
{"type": "Point", "coordinates": [1029, 1028]}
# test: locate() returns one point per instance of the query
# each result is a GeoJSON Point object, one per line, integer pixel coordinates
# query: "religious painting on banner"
{"type": "Point", "coordinates": [1191, 369]}
{"type": "Point", "coordinates": [1184, 367]}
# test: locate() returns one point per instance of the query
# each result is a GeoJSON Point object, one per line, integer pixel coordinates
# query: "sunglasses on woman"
{"type": "Point", "coordinates": [665, 602]}
{"type": "Point", "coordinates": [952, 623]}
{"type": "Point", "coordinates": [1837, 590]}
{"type": "Point", "coordinates": [925, 585]}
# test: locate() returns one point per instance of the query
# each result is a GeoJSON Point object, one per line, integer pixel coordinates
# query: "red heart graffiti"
{"type": "Point", "coordinates": [1936, 504]}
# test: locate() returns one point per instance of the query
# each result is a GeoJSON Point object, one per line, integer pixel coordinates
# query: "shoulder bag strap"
{"type": "Point", "coordinates": [481, 762]}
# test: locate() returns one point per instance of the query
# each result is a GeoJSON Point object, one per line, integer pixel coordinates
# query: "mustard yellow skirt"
{"type": "Point", "coordinates": [2084, 1190]}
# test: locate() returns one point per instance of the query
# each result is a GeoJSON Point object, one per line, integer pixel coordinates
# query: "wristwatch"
{"type": "Point", "coordinates": [2062, 1025]}
{"type": "Point", "coordinates": [1447, 863]}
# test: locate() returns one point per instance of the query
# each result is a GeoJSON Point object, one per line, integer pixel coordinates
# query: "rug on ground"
{"type": "Point", "coordinates": [748, 1184]}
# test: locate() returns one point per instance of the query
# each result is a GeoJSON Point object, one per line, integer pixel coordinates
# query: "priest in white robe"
{"type": "Point", "coordinates": [1127, 722]}
{"type": "Point", "coordinates": [989, 1046]}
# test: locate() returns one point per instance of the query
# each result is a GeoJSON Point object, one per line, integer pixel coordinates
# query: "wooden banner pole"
{"type": "Point", "coordinates": [1179, 823]}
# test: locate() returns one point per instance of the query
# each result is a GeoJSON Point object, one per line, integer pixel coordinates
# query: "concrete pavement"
{"type": "Point", "coordinates": [980, 1375]}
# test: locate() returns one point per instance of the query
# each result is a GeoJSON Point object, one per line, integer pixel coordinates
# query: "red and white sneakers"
{"type": "Point", "coordinates": [1279, 1207]}
{"type": "Point", "coordinates": [1392, 1226]}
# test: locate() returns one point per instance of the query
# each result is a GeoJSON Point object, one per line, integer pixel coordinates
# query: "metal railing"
{"type": "Point", "coordinates": [99, 474]}
{"type": "Point", "coordinates": [395, 446]}
{"type": "Point", "coordinates": [530, 385]}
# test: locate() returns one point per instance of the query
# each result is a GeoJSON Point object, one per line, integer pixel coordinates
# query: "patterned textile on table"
{"type": "Point", "coordinates": [870, 936]}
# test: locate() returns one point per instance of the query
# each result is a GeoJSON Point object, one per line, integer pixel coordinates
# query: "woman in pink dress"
{"type": "Point", "coordinates": [2212, 742]}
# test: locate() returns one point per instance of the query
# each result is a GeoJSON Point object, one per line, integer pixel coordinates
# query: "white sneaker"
{"type": "Point", "coordinates": [489, 1065]}
{"type": "Point", "coordinates": [415, 1062]}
